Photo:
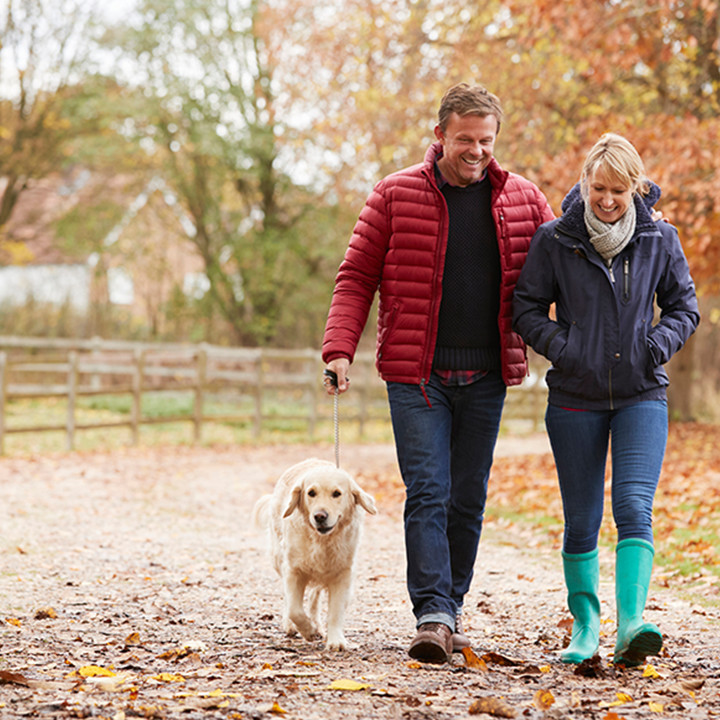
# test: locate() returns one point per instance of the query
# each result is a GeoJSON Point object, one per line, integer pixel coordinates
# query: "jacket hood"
{"type": "Point", "coordinates": [573, 206]}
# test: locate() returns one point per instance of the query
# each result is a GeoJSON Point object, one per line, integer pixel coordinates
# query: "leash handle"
{"type": "Point", "coordinates": [336, 420]}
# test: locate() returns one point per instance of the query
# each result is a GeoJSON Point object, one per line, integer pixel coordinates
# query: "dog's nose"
{"type": "Point", "coordinates": [320, 517]}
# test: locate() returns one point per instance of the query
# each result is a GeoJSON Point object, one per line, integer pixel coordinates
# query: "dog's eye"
{"type": "Point", "coordinates": [312, 493]}
{"type": "Point", "coordinates": [337, 494]}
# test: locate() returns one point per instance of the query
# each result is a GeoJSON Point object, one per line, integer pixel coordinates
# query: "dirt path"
{"type": "Point", "coordinates": [149, 563]}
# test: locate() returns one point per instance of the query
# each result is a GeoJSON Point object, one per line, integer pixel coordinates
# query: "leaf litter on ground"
{"type": "Point", "coordinates": [147, 560]}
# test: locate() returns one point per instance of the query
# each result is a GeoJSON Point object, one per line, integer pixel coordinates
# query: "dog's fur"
{"type": "Point", "coordinates": [314, 519]}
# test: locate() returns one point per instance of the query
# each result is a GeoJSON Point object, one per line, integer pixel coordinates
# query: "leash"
{"type": "Point", "coordinates": [331, 378]}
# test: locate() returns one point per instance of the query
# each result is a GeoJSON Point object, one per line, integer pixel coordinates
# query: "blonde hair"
{"type": "Point", "coordinates": [619, 159]}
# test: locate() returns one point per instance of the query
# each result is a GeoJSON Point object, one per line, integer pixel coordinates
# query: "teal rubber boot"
{"type": "Point", "coordinates": [582, 576]}
{"type": "Point", "coordinates": [635, 639]}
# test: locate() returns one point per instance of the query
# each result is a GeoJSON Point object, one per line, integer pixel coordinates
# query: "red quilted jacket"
{"type": "Point", "coordinates": [398, 248]}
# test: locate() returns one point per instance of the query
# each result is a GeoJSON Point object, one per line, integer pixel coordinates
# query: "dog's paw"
{"type": "Point", "coordinates": [336, 641]}
{"type": "Point", "coordinates": [312, 634]}
{"type": "Point", "coordinates": [306, 627]}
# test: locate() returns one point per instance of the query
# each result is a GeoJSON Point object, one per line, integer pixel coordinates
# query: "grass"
{"type": "Point", "coordinates": [285, 421]}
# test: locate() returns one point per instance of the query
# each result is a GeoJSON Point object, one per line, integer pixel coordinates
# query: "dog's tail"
{"type": "Point", "coordinates": [261, 512]}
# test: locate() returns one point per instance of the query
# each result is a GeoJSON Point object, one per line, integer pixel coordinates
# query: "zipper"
{"type": "Point", "coordinates": [423, 382]}
{"type": "Point", "coordinates": [436, 296]}
{"type": "Point", "coordinates": [610, 389]}
{"type": "Point", "coordinates": [612, 274]}
{"type": "Point", "coordinates": [626, 279]}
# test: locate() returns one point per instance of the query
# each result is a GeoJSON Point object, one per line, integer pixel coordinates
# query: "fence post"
{"type": "Point", "coordinates": [258, 396]}
{"type": "Point", "coordinates": [96, 343]}
{"type": "Point", "coordinates": [72, 382]}
{"type": "Point", "coordinates": [137, 385]}
{"type": "Point", "coordinates": [3, 399]}
{"type": "Point", "coordinates": [201, 360]}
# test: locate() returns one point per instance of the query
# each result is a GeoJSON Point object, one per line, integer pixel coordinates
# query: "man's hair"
{"type": "Point", "coordinates": [466, 100]}
{"type": "Point", "coordinates": [618, 157]}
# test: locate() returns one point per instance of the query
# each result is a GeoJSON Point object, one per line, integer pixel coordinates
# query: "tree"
{"type": "Point", "coordinates": [206, 111]}
{"type": "Point", "coordinates": [44, 86]}
{"type": "Point", "coordinates": [652, 72]}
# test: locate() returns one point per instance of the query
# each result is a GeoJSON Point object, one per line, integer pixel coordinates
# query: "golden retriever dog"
{"type": "Point", "coordinates": [314, 519]}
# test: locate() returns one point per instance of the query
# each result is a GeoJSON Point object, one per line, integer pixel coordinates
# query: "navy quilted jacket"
{"type": "Point", "coordinates": [398, 249]}
{"type": "Point", "coordinates": [606, 347]}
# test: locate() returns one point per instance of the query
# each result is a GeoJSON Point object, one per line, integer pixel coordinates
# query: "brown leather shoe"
{"type": "Point", "coordinates": [433, 643]}
{"type": "Point", "coordinates": [459, 639]}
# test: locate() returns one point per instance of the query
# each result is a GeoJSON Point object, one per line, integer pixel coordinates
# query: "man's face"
{"type": "Point", "coordinates": [468, 143]}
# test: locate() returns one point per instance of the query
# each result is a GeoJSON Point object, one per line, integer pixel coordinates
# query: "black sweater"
{"type": "Point", "coordinates": [468, 334]}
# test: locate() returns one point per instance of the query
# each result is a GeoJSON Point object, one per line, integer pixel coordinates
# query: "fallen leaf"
{"type": "Point", "coordinates": [347, 685]}
{"type": "Point", "coordinates": [88, 671]}
{"type": "Point", "coordinates": [656, 707]}
{"type": "Point", "coordinates": [472, 660]}
{"type": "Point", "coordinates": [168, 677]}
{"type": "Point", "coordinates": [688, 686]}
{"type": "Point", "coordinates": [13, 621]}
{"type": "Point", "coordinates": [592, 668]}
{"type": "Point", "coordinates": [492, 706]}
{"type": "Point", "coordinates": [13, 678]}
{"type": "Point", "coordinates": [493, 658]}
{"type": "Point", "coordinates": [47, 613]}
{"type": "Point", "coordinates": [108, 683]}
{"type": "Point", "coordinates": [543, 699]}
{"type": "Point", "coordinates": [133, 639]}
{"type": "Point", "coordinates": [276, 709]}
{"type": "Point", "coordinates": [622, 698]}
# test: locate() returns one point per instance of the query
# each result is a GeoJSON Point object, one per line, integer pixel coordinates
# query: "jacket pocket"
{"type": "Point", "coordinates": [578, 370]}
{"type": "Point", "coordinates": [567, 359]}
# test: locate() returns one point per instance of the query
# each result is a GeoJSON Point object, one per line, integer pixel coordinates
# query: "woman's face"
{"type": "Point", "coordinates": [608, 199]}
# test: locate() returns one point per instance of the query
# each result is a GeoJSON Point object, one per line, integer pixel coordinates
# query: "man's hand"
{"type": "Point", "coordinates": [340, 367]}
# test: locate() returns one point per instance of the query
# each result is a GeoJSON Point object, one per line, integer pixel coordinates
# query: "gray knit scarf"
{"type": "Point", "coordinates": [609, 239]}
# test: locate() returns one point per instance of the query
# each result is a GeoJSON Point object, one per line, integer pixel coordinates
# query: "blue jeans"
{"type": "Point", "coordinates": [445, 448]}
{"type": "Point", "coordinates": [580, 445]}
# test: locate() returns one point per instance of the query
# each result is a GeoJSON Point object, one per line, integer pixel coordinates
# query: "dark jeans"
{"type": "Point", "coordinates": [580, 445]}
{"type": "Point", "coordinates": [445, 451]}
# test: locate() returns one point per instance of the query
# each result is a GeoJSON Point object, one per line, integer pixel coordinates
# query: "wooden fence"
{"type": "Point", "coordinates": [255, 387]}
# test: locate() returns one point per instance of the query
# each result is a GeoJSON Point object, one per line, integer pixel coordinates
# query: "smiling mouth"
{"type": "Point", "coordinates": [325, 529]}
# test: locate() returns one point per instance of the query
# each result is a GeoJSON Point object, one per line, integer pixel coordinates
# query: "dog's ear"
{"type": "Point", "coordinates": [366, 501]}
{"type": "Point", "coordinates": [294, 501]}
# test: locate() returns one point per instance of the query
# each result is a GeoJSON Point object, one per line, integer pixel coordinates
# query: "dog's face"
{"type": "Point", "coordinates": [326, 496]}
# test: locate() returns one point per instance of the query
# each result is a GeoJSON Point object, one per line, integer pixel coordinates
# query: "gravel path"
{"type": "Point", "coordinates": [142, 564]}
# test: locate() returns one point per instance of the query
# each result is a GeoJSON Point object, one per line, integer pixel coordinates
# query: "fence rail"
{"type": "Point", "coordinates": [249, 386]}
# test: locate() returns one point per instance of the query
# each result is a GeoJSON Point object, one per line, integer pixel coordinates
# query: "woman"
{"type": "Point", "coordinates": [603, 263]}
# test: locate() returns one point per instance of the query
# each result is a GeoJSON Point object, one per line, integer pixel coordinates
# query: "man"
{"type": "Point", "coordinates": [443, 242]}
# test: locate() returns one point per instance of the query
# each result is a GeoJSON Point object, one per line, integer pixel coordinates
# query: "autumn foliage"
{"type": "Point", "coordinates": [686, 524]}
